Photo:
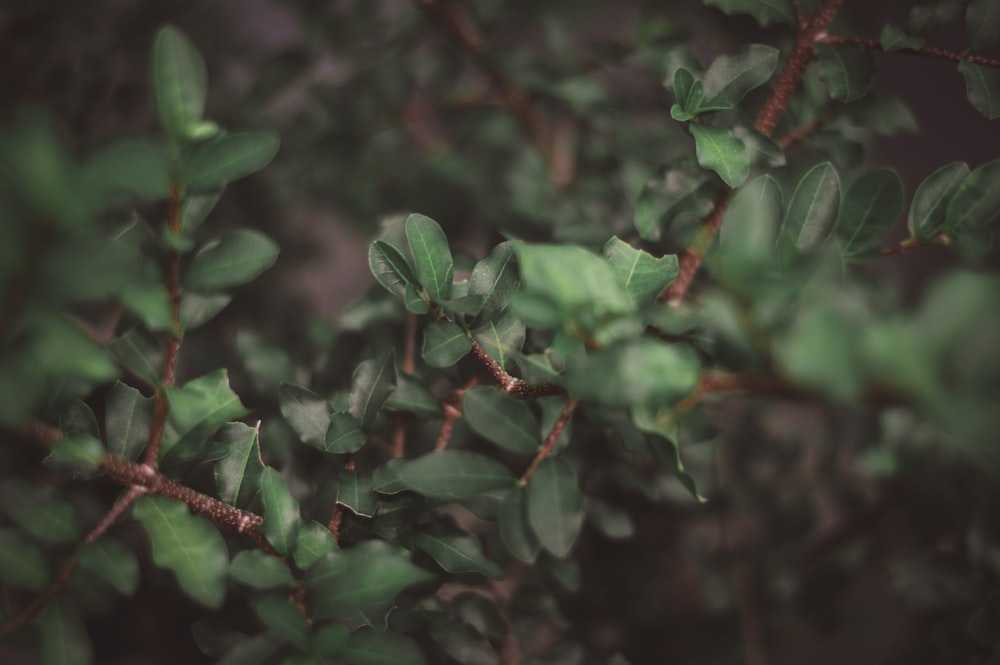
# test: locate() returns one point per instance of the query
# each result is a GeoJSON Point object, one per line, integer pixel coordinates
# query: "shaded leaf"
{"type": "Point", "coordinates": [982, 87]}
{"type": "Point", "coordinates": [239, 257]}
{"type": "Point", "coordinates": [344, 434]}
{"type": "Point", "coordinates": [502, 419]}
{"type": "Point", "coordinates": [928, 17]}
{"type": "Point", "coordinates": [675, 192]}
{"type": "Point", "coordinates": [355, 492]}
{"type": "Point", "coordinates": [180, 83]}
{"type": "Point", "coordinates": [411, 395]}
{"type": "Point", "coordinates": [137, 353]}
{"type": "Point", "coordinates": [719, 150]}
{"type": "Point", "coordinates": [463, 643]}
{"type": "Point", "coordinates": [368, 646]}
{"type": "Point", "coordinates": [555, 506]}
{"type": "Point", "coordinates": [982, 22]}
{"type": "Point", "coordinates": [730, 77]}
{"type": "Point", "coordinates": [846, 69]}
{"type": "Point", "coordinates": [282, 616]}
{"type": "Point", "coordinates": [431, 255]}
{"type": "Point", "coordinates": [226, 158]}
{"type": "Point", "coordinates": [197, 410]}
{"type": "Point", "coordinates": [313, 543]}
{"type": "Point", "coordinates": [390, 268]}
{"type": "Point", "coordinates": [307, 413]}
{"type": "Point", "coordinates": [750, 227]}
{"type": "Point", "coordinates": [78, 456]}
{"type": "Point", "coordinates": [22, 563]}
{"type": "Point", "coordinates": [35, 509]}
{"type": "Point", "coordinates": [812, 211]}
{"type": "Point", "coordinates": [63, 637]}
{"type": "Point", "coordinates": [765, 12]}
{"type": "Point", "coordinates": [448, 474]}
{"type": "Point", "coordinates": [871, 207]}
{"type": "Point", "coordinates": [237, 474]}
{"type": "Point", "coordinates": [259, 570]}
{"type": "Point", "coordinates": [281, 511]}
{"type": "Point", "coordinates": [127, 419]}
{"type": "Point", "coordinates": [457, 552]}
{"type": "Point", "coordinates": [501, 338]}
{"type": "Point", "coordinates": [894, 39]}
{"type": "Point", "coordinates": [661, 424]}
{"type": "Point", "coordinates": [113, 563]}
{"type": "Point", "coordinates": [444, 344]}
{"type": "Point", "coordinates": [371, 384]}
{"type": "Point", "coordinates": [515, 532]}
{"type": "Point", "coordinates": [976, 202]}
{"type": "Point", "coordinates": [129, 167]}
{"type": "Point", "coordinates": [928, 212]}
{"type": "Point", "coordinates": [330, 640]}
{"type": "Point", "coordinates": [495, 279]}
{"type": "Point", "coordinates": [643, 275]}
{"type": "Point", "coordinates": [196, 208]}
{"type": "Point", "coordinates": [188, 546]}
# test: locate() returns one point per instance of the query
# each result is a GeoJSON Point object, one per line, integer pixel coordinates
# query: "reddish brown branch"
{"type": "Point", "coordinates": [926, 51]}
{"type": "Point", "coordinates": [800, 133]}
{"type": "Point", "coordinates": [511, 384]}
{"type": "Point", "coordinates": [941, 240]}
{"type": "Point", "coordinates": [550, 440]}
{"type": "Point", "coordinates": [337, 516]}
{"type": "Point", "coordinates": [696, 251]}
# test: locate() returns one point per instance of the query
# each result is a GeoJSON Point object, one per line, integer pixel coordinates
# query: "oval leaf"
{"type": "Point", "coordinates": [344, 434]}
{"type": "Point", "coordinates": [457, 552]}
{"type": "Point", "coordinates": [501, 338]}
{"type": "Point", "coordinates": [431, 255]}
{"type": "Point", "coordinates": [846, 69]}
{"type": "Point", "coordinates": [221, 160]}
{"type": "Point", "coordinates": [282, 616]}
{"type": "Point", "coordinates": [368, 646]}
{"type": "Point", "coordinates": [127, 419]}
{"type": "Point", "coordinates": [260, 570]}
{"type": "Point", "coordinates": [373, 380]}
{"type": "Point", "coordinates": [719, 150]}
{"type": "Point", "coordinates": [236, 259]}
{"type": "Point", "coordinates": [444, 344]}
{"type": "Point", "coordinates": [976, 202]}
{"type": "Point", "coordinates": [515, 531]}
{"type": "Point", "coordinates": [495, 279]}
{"type": "Point", "coordinates": [555, 506]}
{"type": "Point", "coordinates": [179, 82]}
{"type": "Point", "coordinates": [113, 563]}
{"type": "Point", "coordinates": [982, 87]}
{"type": "Point", "coordinates": [732, 76]}
{"type": "Point", "coordinates": [812, 211]}
{"type": "Point", "coordinates": [237, 474]}
{"type": "Point", "coordinates": [871, 207]}
{"type": "Point", "coordinates": [313, 543]}
{"type": "Point", "coordinates": [502, 419]}
{"type": "Point", "coordinates": [390, 268]}
{"type": "Point", "coordinates": [928, 212]}
{"type": "Point", "coordinates": [643, 275]}
{"type": "Point", "coordinates": [750, 227]}
{"type": "Point", "coordinates": [448, 474]}
{"type": "Point", "coordinates": [281, 511]}
{"type": "Point", "coordinates": [307, 413]}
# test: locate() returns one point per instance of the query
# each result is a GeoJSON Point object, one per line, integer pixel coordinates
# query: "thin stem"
{"type": "Point", "coordinates": [800, 133]}
{"type": "Point", "coordinates": [337, 516]}
{"type": "Point", "coordinates": [940, 240]}
{"type": "Point", "coordinates": [926, 51]}
{"type": "Point", "coordinates": [511, 384]}
{"type": "Point", "coordinates": [550, 440]}
{"type": "Point", "coordinates": [451, 414]}
{"type": "Point", "coordinates": [697, 250]}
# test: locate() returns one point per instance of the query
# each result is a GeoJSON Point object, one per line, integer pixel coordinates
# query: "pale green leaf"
{"type": "Point", "coordinates": [719, 150]}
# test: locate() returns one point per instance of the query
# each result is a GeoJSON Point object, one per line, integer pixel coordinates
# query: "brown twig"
{"type": "Point", "coordinates": [516, 387]}
{"type": "Point", "coordinates": [800, 133]}
{"type": "Point", "coordinates": [926, 51]}
{"type": "Point", "coordinates": [452, 410]}
{"type": "Point", "coordinates": [940, 240]}
{"type": "Point", "coordinates": [800, 15]}
{"type": "Point", "coordinates": [550, 440]}
{"type": "Point", "coordinates": [337, 516]}
{"type": "Point", "coordinates": [767, 119]}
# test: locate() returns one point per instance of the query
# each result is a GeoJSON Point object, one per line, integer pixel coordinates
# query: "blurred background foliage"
{"type": "Point", "coordinates": [833, 534]}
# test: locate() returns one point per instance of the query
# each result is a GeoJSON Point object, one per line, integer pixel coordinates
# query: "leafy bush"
{"type": "Point", "coordinates": [541, 437]}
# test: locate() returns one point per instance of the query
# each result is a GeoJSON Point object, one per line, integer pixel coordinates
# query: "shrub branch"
{"type": "Point", "coordinates": [926, 51]}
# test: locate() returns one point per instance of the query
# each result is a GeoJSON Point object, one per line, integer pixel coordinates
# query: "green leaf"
{"type": "Point", "coordinates": [689, 92]}
{"type": "Point", "coordinates": [446, 474]}
{"type": "Point", "coordinates": [112, 562]}
{"type": "Point", "coordinates": [982, 87]}
{"type": "Point", "coordinates": [495, 279]}
{"type": "Point", "coordinates": [149, 301]}
{"type": "Point", "coordinates": [281, 511]}
{"type": "Point", "coordinates": [368, 575]}
{"type": "Point", "coordinates": [762, 150]}
{"type": "Point", "coordinates": [355, 492]}
{"type": "Point", "coordinates": [259, 570]}
{"type": "Point", "coordinates": [871, 207]}
{"type": "Point", "coordinates": [431, 255]}
{"type": "Point", "coordinates": [390, 268]}
{"type": "Point", "coordinates": [180, 82]}
{"type": "Point", "coordinates": [371, 384]}
{"type": "Point", "coordinates": [641, 274]}
{"type": "Point", "coordinates": [642, 371]}
{"type": "Point", "coordinates": [330, 640]}
{"type": "Point", "coordinates": [502, 419]}
{"type": "Point", "coordinates": [225, 158]}
{"type": "Point", "coordinates": [444, 344]}
{"type": "Point", "coordinates": [749, 229]}
{"type": "Point", "coordinates": [127, 419]}
{"type": "Point", "coordinates": [463, 642]}
{"type": "Point", "coordinates": [237, 258]}
{"type": "Point", "coordinates": [846, 69]}
{"type": "Point", "coordinates": [63, 637]}
{"type": "Point", "coordinates": [136, 352]}
{"type": "Point", "coordinates": [79, 420]}
{"type": "Point", "coordinates": [928, 17]}
{"type": "Point", "coordinates": [612, 522]}
{"type": "Point", "coordinates": [368, 646]}
{"type": "Point", "coordinates": [237, 474]}
{"type": "Point", "coordinates": [129, 167]}
{"type": "Point", "coordinates": [515, 532]}
{"type": "Point", "coordinates": [982, 22]}
{"type": "Point", "coordinates": [765, 12]}
{"type": "Point", "coordinates": [976, 202]}
{"type": "Point", "coordinates": [307, 413]}
{"type": "Point", "coordinates": [555, 506]}
{"type": "Point", "coordinates": [35, 509]}
{"type": "Point", "coordinates": [196, 208]}
{"type": "Point", "coordinates": [674, 193]}
{"type": "Point", "coordinates": [282, 616]}
{"type": "Point", "coordinates": [661, 424]}
{"type": "Point", "coordinates": [22, 563]}
{"type": "Point", "coordinates": [928, 212]}
{"type": "Point", "coordinates": [501, 338]}
{"type": "Point", "coordinates": [732, 76]}
{"type": "Point", "coordinates": [894, 39]}
{"type": "Point", "coordinates": [197, 410]}
{"type": "Point", "coordinates": [76, 456]}
{"type": "Point", "coordinates": [412, 396]}
{"type": "Point", "coordinates": [457, 552]}
{"type": "Point", "coordinates": [188, 546]}
{"type": "Point", "coordinates": [720, 150]}
{"type": "Point", "coordinates": [812, 211]}
{"type": "Point", "coordinates": [344, 434]}
{"type": "Point", "coordinates": [313, 543]}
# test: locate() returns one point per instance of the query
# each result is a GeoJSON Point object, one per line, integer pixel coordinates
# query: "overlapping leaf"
{"type": "Point", "coordinates": [235, 259]}
{"type": "Point", "coordinates": [431, 255]}
{"type": "Point", "coordinates": [281, 511]}
{"type": "Point", "coordinates": [450, 474]}
{"type": "Point", "coordinates": [555, 506]}
{"type": "Point", "coordinates": [502, 419]}
{"type": "Point", "coordinates": [871, 207]}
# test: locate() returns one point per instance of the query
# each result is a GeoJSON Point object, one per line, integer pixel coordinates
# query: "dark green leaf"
{"type": "Point", "coordinates": [982, 87]}
{"type": "Point", "coordinates": [812, 211]}
{"type": "Point", "coordinates": [371, 384]}
{"type": "Point", "coordinates": [148, 300]}
{"type": "Point", "coordinates": [256, 650]}
{"type": "Point", "coordinates": [344, 434]}
{"type": "Point", "coordinates": [130, 167]}
{"type": "Point", "coordinates": [765, 12]}
{"type": "Point", "coordinates": [260, 571]}
{"type": "Point", "coordinates": [761, 149]}
{"type": "Point", "coordinates": [641, 274]}
{"type": "Point", "coordinates": [555, 506]}
{"type": "Point", "coordinates": [689, 93]}
{"type": "Point", "coordinates": [447, 474]}
{"type": "Point", "coordinates": [750, 227]}
{"type": "Point", "coordinates": [188, 546]}
{"type": "Point", "coordinates": [515, 531]}
{"type": "Point", "coordinates": [239, 257]}
{"type": "Point", "coordinates": [870, 209]}
{"type": "Point", "coordinates": [675, 192]}
{"type": "Point", "coordinates": [196, 208]}
{"type": "Point", "coordinates": [63, 636]}
{"type": "Point", "coordinates": [127, 420]}
{"type": "Point", "coordinates": [894, 39]}
{"type": "Point", "coordinates": [282, 616]}
{"type": "Point", "coordinates": [928, 212]}
{"type": "Point", "coordinates": [390, 268]}
{"type": "Point", "coordinates": [314, 542]}
{"type": "Point", "coordinates": [112, 562]}
{"type": "Point", "coordinates": [368, 646]}
{"type": "Point", "coordinates": [22, 563]}
{"type": "Point", "coordinates": [35, 509]}
{"type": "Point", "coordinates": [330, 640]}
{"type": "Point", "coordinates": [444, 344]}
{"type": "Point", "coordinates": [281, 511]}
{"type": "Point", "coordinates": [225, 158]}
{"type": "Point", "coordinates": [76, 456]}
{"type": "Point", "coordinates": [502, 419]}
{"type": "Point", "coordinates": [197, 410]}
{"type": "Point", "coordinates": [457, 552]}
{"type": "Point", "coordinates": [79, 420]}
{"type": "Point", "coordinates": [611, 521]}
{"type": "Point", "coordinates": [370, 574]}
{"type": "Point", "coordinates": [463, 643]}
{"type": "Point", "coordinates": [930, 16]}
{"type": "Point", "coordinates": [846, 69]}
{"type": "Point", "coordinates": [237, 474]}
{"type": "Point", "coordinates": [501, 338]}
{"type": "Point", "coordinates": [180, 82]}
{"type": "Point", "coordinates": [976, 202]}
{"type": "Point", "coordinates": [661, 424]}
{"type": "Point", "coordinates": [136, 352]}
{"type": "Point", "coordinates": [431, 255]}
{"type": "Point", "coordinates": [494, 278]}
{"type": "Point", "coordinates": [412, 396]}
{"type": "Point", "coordinates": [732, 76]}
{"type": "Point", "coordinates": [638, 372]}
{"type": "Point", "coordinates": [307, 413]}
{"type": "Point", "coordinates": [720, 150]}
{"type": "Point", "coordinates": [982, 22]}
{"type": "Point", "coordinates": [355, 492]}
